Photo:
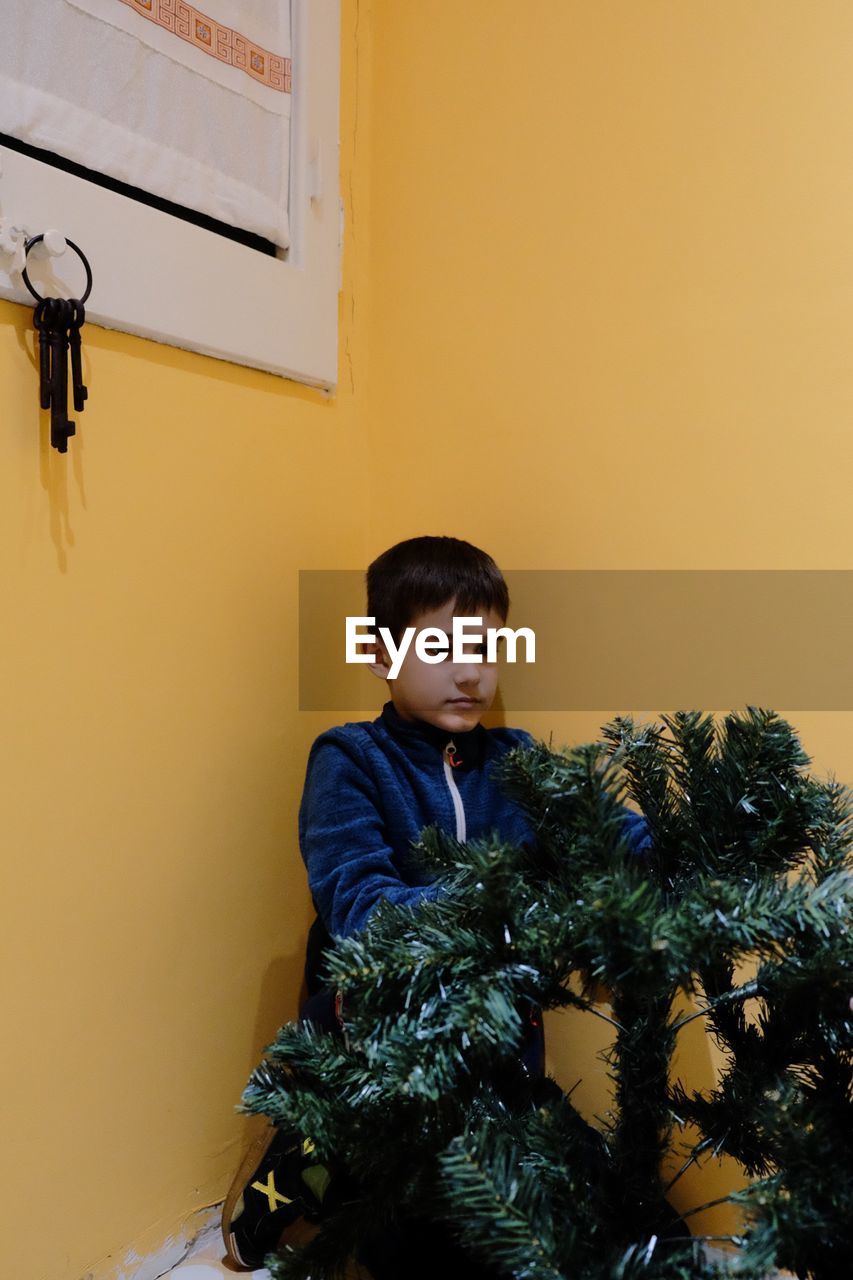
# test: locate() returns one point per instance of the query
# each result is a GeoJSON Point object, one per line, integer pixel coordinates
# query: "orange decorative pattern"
{"type": "Point", "coordinates": [222, 43]}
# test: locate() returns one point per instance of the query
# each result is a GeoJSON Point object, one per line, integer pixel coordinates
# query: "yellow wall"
{"type": "Point", "coordinates": [156, 906]}
{"type": "Point", "coordinates": [599, 259]}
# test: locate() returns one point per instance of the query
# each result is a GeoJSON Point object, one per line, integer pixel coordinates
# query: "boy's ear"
{"type": "Point", "coordinates": [381, 664]}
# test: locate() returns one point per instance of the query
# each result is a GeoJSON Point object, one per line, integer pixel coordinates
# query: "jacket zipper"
{"type": "Point", "coordinates": [449, 752]}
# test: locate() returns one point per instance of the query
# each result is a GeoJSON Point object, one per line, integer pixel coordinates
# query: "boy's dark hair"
{"type": "Point", "coordinates": [425, 573]}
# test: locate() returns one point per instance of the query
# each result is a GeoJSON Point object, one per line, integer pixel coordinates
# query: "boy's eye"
{"type": "Point", "coordinates": [473, 648]}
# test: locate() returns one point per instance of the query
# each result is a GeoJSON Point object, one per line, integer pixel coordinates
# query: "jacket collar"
{"type": "Point", "coordinates": [417, 736]}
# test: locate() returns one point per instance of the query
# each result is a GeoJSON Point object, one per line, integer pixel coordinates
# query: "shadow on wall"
{"type": "Point", "coordinates": [281, 995]}
{"type": "Point", "coordinates": [280, 998]}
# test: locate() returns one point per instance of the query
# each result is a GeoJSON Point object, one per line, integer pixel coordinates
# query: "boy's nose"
{"type": "Point", "coordinates": [467, 673]}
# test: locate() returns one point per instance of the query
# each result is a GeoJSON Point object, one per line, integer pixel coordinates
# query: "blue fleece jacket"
{"type": "Point", "coordinates": [371, 787]}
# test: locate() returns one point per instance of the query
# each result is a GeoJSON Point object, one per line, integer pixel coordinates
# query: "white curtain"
{"type": "Point", "coordinates": [188, 103]}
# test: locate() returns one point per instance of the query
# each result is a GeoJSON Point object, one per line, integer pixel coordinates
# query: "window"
{"type": "Point", "coordinates": [162, 277]}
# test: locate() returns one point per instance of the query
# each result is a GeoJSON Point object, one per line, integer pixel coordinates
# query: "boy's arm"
{"type": "Point", "coordinates": [343, 841]}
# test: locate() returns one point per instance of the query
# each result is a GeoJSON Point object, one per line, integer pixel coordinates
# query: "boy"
{"type": "Point", "coordinates": [370, 789]}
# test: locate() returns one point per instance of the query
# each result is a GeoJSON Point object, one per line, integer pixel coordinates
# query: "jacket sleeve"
{"type": "Point", "coordinates": [343, 841]}
{"type": "Point", "coordinates": [635, 829]}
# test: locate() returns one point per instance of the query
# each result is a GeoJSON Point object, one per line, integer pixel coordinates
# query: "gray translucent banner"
{"type": "Point", "coordinates": [613, 639]}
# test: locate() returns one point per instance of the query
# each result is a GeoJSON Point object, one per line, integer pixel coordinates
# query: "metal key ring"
{"type": "Point", "coordinates": [80, 254]}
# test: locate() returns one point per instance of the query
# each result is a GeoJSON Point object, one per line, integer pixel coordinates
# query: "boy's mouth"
{"type": "Point", "coordinates": [463, 702]}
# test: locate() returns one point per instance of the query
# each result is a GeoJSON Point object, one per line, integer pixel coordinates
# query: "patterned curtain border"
{"type": "Point", "coordinates": [222, 43]}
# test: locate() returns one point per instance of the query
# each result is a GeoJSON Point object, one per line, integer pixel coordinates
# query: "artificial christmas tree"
{"type": "Point", "coordinates": [423, 1110]}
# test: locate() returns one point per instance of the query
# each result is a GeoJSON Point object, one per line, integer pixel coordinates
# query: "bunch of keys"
{"type": "Point", "coordinates": [59, 321]}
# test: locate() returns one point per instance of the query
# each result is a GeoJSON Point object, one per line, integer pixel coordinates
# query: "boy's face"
{"type": "Point", "coordinates": [450, 695]}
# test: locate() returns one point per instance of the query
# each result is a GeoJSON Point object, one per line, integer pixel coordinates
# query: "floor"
{"type": "Point", "coordinates": [204, 1262]}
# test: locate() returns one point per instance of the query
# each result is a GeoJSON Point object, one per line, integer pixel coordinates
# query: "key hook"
{"type": "Point", "coordinates": [71, 245]}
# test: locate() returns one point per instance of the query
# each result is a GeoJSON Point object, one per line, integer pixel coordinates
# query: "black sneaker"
{"type": "Point", "coordinates": [277, 1184]}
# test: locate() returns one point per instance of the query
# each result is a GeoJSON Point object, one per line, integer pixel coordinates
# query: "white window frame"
{"type": "Point", "coordinates": [162, 278]}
